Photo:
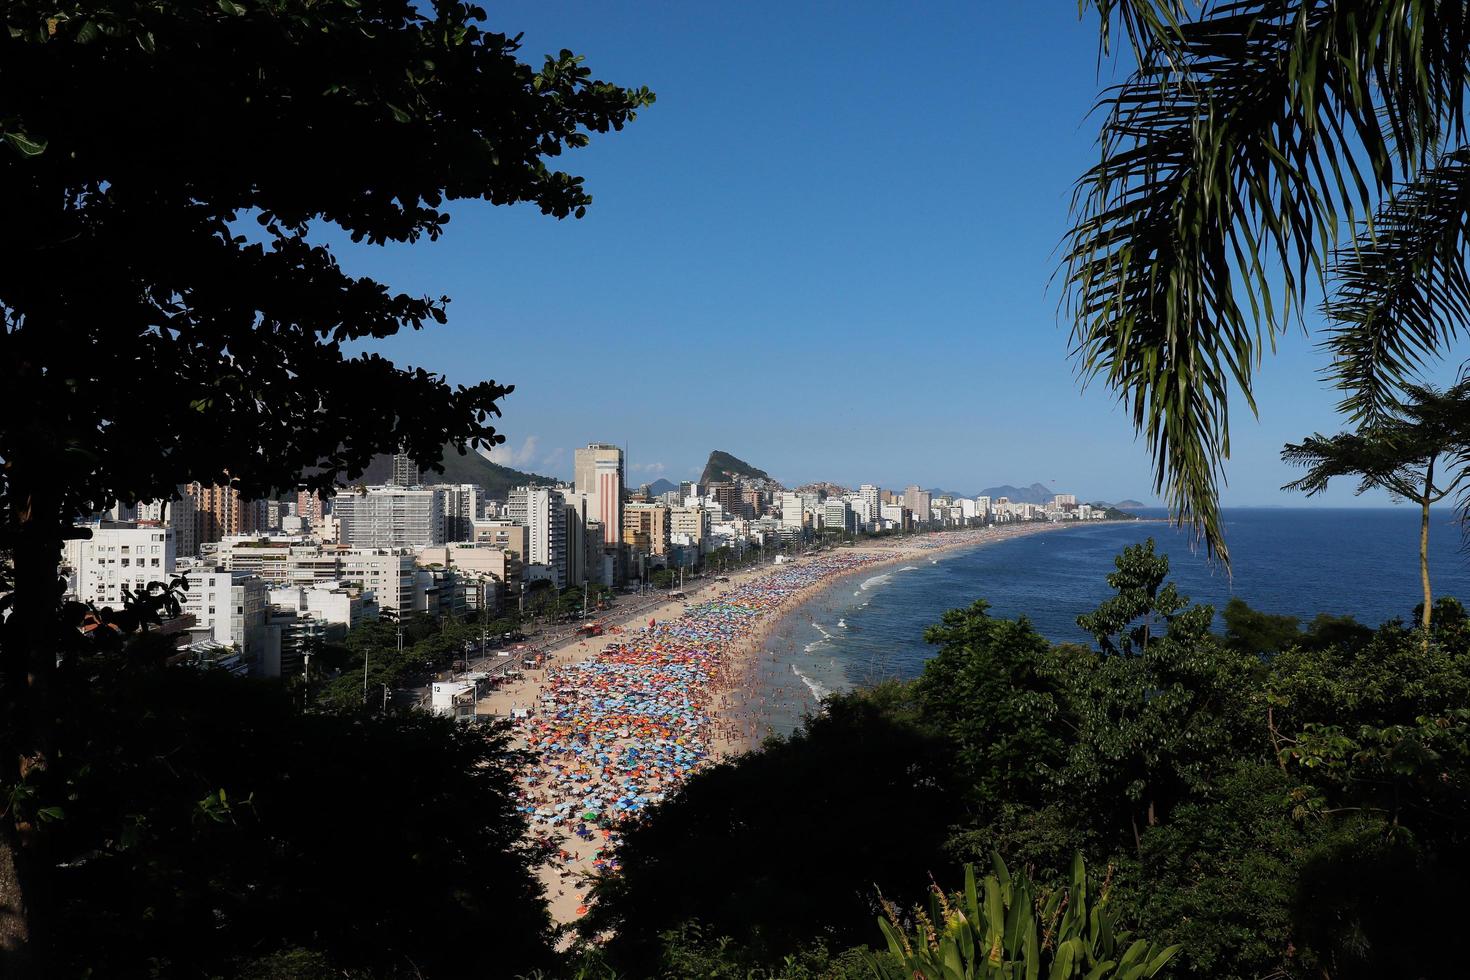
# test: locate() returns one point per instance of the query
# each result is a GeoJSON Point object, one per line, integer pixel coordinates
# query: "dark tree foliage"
{"type": "Point", "coordinates": [783, 847]}
{"type": "Point", "coordinates": [211, 823]}
{"type": "Point", "coordinates": [168, 308]}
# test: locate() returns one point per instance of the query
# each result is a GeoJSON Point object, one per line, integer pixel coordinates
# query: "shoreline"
{"type": "Point", "coordinates": [616, 723]}
{"type": "Point", "coordinates": [739, 722]}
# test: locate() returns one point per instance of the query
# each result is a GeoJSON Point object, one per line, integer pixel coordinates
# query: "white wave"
{"type": "Point", "coordinates": [909, 568]}
{"type": "Point", "coordinates": [812, 646]}
{"type": "Point", "coordinates": [842, 624]}
{"type": "Point", "coordinates": [823, 630]}
{"type": "Point", "coordinates": [875, 581]}
{"type": "Point", "coordinates": [818, 691]}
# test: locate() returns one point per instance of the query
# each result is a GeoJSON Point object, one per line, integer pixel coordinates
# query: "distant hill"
{"type": "Point", "coordinates": [1129, 504]}
{"type": "Point", "coordinates": [661, 486]}
{"type": "Point", "coordinates": [472, 467]}
{"type": "Point", "coordinates": [724, 468]}
{"type": "Point", "coordinates": [1036, 493]}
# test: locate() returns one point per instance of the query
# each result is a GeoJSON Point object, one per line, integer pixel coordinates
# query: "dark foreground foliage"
{"type": "Point", "coordinates": [217, 830]}
{"type": "Point", "coordinates": [1279, 802]}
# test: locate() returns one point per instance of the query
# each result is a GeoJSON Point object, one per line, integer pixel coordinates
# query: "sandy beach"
{"type": "Point", "coordinates": [618, 722]}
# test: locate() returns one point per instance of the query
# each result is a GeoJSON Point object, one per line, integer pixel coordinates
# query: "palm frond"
{"type": "Point", "coordinates": [1151, 26]}
{"type": "Point", "coordinates": [1227, 164]}
{"type": "Point", "coordinates": [1401, 289]}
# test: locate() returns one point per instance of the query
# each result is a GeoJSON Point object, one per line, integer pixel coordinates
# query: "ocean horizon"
{"type": "Point", "coordinates": [1295, 561]}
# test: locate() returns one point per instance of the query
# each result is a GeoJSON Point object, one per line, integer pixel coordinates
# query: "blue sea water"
{"type": "Point", "coordinates": [1297, 562]}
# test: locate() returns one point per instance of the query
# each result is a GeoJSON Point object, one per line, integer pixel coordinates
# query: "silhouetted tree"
{"type": "Point", "coordinates": [170, 311]}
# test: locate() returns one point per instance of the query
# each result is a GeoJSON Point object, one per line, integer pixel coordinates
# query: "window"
{"type": "Point", "coordinates": [155, 563]}
{"type": "Point", "coordinates": [239, 610]}
{"type": "Point", "coordinates": [125, 563]}
{"type": "Point", "coordinates": [211, 610]}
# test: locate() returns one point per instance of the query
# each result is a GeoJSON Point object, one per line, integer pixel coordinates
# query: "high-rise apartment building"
{"type": "Point", "coordinates": [792, 510]}
{"type": "Point", "coordinates": [232, 606]}
{"type": "Point", "coordinates": [648, 524]}
{"type": "Point", "coordinates": [221, 512]}
{"type": "Point", "coordinates": [543, 512]}
{"type": "Point", "coordinates": [599, 473]}
{"type": "Point", "coordinates": [728, 496]}
{"type": "Point", "coordinates": [390, 517]}
{"type": "Point", "coordinates": [405, 471]}
{"type": "Point", "coordinates": [918, 502]}
{"type": "Point", "coordinates": [460, 503]}
{"type": "Point", "coordinates": [838, 514]}
{"type": "Point", "coordinates": [689, 525]}
{"type": "Point", "coordinates": [872, 499]}
{"type": "Point", "coordinates": [119, 556]}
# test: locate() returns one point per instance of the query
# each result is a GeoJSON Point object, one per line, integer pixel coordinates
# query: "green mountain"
{"type": "Point", "coordinates": [472, 467]}
{"type": "Point", "coordinates": [724, 468]}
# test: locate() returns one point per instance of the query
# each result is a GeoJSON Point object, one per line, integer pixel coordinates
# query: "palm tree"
{"type": "Point", "coordinates": [1419, 454]}
{"type": "Point", "coordinates": [1249, 137]}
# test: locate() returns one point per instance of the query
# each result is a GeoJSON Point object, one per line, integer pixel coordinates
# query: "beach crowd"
{"type": "Point", "coordinates": [617, 733]}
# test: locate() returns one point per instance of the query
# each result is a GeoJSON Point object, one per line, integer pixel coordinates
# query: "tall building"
{"type": "Point", "coordinates": [689, 526]}
{"type": "Point", "coordinates": [838, 514]}
{"type": "Point", "coordinates": [232, 606]}
{"type": "Point", "coordinates": [543, 512]}
{"type": "Point", "coordinates": [792, 509]}
{"type": "Point", "coordinates": [460, 503]}
{"type": "Point", "coordinates": [918, 502]}
{"type": "Point", "coordinates": [117, 557]}
{"type": "Point", "coordinates": [728, 496]}
{"type": "Point", "coordinates": [599, 473]}
{"type": "Point", "coordinates": [221, 512]}
{"type": "Point", "coordinates": [390, 517]}
{"type": "Point", "coordinates": [648, 524]}
{"type": "Point", "coordinates": [405, 471]}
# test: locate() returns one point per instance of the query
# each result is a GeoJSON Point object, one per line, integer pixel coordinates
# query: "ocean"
{"type": "Point", "coordinates": [1292, 561]}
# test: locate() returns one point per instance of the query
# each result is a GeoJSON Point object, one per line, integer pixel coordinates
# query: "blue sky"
{"type": "Point", "coordinates": [826, 249]}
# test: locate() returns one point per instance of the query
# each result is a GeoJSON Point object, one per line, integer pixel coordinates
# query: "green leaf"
{"type": "Point", "coordinates": [27, 145]}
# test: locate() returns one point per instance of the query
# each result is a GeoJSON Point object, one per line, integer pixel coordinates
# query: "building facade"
{"type": "Point", "coordinates": [390, 517]}
{"type": "Point", "coordinates": [119, 556]}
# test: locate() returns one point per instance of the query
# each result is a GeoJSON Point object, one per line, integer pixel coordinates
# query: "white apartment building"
{"type": "Point", "coordinates": [543, 512]}
{"type": "Point", "coordinates": [118, 556]}
{"type": "Point", "coordinates": [690, 525]}
{"type": "Point", "coordinates": [231, 606]}
{"type": "Point", "coordinates": [791, 510]}
{"type": "Point", "coordinates": [385, 572]}
{"type": "Point", "coordinates": [982, 507]}
{"type": "Point", "coordinates": [390, 517]}
{"type": "Point", "coordinates": [460, 505]}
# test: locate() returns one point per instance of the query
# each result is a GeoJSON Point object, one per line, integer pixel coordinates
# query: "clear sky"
{"type": "Point", "coordinates": [827, 249]}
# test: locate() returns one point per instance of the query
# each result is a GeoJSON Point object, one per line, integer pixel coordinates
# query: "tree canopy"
{"type": "Point", "coordinates": [171, 308]}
